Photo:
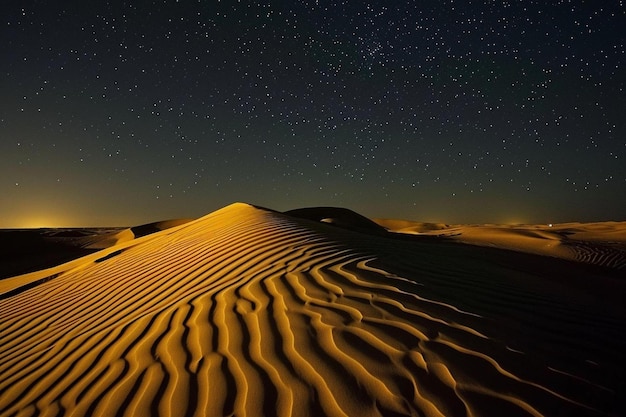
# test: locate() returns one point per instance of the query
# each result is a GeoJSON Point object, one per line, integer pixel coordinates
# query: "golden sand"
{"type": "Point", "coordinates": [250, 312]}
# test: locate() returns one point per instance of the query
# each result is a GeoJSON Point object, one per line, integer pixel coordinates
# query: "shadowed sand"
{"type": "Point", "coordinates": [28, 250]}
{"type": "Point", "coordinates": [247, 311]}
{"type": "Point", "coordinates": [602, 244]}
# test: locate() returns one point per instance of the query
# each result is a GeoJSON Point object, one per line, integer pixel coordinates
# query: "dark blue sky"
{"type": "Point", "coordinates": [120, 113]}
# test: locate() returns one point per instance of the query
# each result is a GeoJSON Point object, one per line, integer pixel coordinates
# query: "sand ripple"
{"type": "Point", "coordinates": [611, 255]}
{"type": "Point", "coordinates": [250, 312]}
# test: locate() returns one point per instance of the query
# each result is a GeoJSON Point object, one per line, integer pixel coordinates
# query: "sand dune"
{"type": "Point", "coordinates": [602, 244]}
{"type": "Point", "coordinates": [251, 312]}
{"type": "Point", "coordinates": [28, 250]}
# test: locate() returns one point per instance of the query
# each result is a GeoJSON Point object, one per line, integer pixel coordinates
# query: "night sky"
{"type": "Point", "coordinates": [123, 113]}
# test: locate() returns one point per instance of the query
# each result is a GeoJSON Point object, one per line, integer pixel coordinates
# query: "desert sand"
{"type": "Point", "coordinates": [314, 312]}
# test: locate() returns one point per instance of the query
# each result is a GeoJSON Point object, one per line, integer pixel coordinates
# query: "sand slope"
{"type": "Point", "coordinates": [602, 244]}
{"type": "Point", "coordinates": [29, 250]}
{"type": "Point", "coordinates": [252, 312]}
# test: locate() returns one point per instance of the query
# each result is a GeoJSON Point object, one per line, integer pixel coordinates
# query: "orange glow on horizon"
{"type": "Point", "coordinates": [38, 222]}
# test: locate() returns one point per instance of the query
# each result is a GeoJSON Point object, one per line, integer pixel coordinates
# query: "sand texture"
{"type": "Point", "coordinates": [250, 312]}
{"type": "Point", "coordinates": [602, 244]}
{"type": "Point", "coordinates": [29, 250]}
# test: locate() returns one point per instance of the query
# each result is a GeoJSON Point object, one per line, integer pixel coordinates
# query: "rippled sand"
{"type": "Point", "coordinates": [247, 311]}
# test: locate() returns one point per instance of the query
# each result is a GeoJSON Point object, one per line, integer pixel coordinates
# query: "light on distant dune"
{"type": "Point", "coordinates": [513, 221]}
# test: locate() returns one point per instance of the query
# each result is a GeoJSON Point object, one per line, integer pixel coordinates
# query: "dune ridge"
{"type": "Point", "coordinates": [251, 312]}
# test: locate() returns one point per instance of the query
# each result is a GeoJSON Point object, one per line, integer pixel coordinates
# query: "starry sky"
{"type": "Point", "coordinates": [127, 112]}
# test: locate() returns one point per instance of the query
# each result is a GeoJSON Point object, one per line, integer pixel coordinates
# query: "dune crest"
{"type": "Point", "coordinates": [251, 312]}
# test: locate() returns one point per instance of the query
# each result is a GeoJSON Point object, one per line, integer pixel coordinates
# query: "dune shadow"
{"type": "Point", "coordinates": [109, 256]}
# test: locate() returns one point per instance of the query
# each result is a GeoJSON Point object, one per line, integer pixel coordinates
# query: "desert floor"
{"type": "Point", "coordinates": [312, 312]}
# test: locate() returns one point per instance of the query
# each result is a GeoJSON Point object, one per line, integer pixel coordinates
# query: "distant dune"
{"type": "Point", "coordinates": [28, 250]}
{"type": "Point", "coordinates": [320, 311]}
{"type": "Point", "coordinates": [602, 244]}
